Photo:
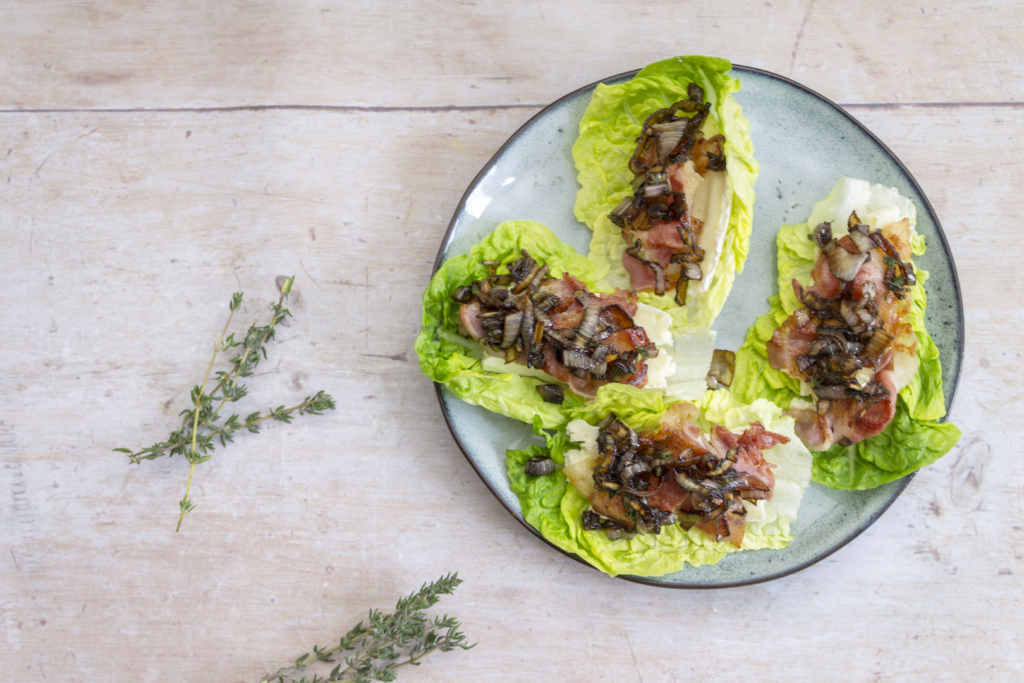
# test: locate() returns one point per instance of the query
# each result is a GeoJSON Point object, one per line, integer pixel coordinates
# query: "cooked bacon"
{"type": "Point", "coordinates": [667, 495]}
{"type": "Point", "coordinates": [878, 416]}
{"type": "Point", "coordinates": [654, 214]}
{"type": "Point", "coordinates": [641, 276]}
{"type": "Point", "coordinates": [750, 463]}
{"type": "Point", "coordinates": [846, 420]}
{"type": "Point", "coordinates": [644, 274]}
{"type": "Point", "coordinates": [564, 288]}
{"type": "Point", "coordinates": [556, 320]}
{"type": "Point", "coordinates": [620, 298]}
{"type": "Point", "coordinates": [750, 458]}
{"type": "Point", "coordinates": [664, 235]}
{"type": "Point", "coordinates": [588, 388]}
{"type": "Point", "coordinates": [825, 284]}
{"type": "Point", "coordinates": [677, 438]}
{"type": "Point", "coordinates": [553, 367]}
{"type": "Point", "coordinates": [723, 440]}
{"type": "Point", "coordinates": [569, 319]}
{"type": "Point", "coordinates": [790, 341]}
{"type": "Point", "coordinates": [680, 479]}
{"type": "Point", "coordinates": [685, 178]}
{"type": "Point", "coordinates": [629, 340]}
{"type": "Point", "coordinates": [872, 271]}
{"type": "Point", "coordinates": [572, 282]}
{"type": "Point", "coordinates": [610, 507]}
{"type": "Point", "coordinates": [583, 387]}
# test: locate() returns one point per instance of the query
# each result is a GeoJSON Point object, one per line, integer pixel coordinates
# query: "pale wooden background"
{"type": "Point", "coordinates": [155, 157]}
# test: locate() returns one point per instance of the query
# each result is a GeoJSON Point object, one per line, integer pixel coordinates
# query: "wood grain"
{"type": "Point", "coordinates": [408, 54]}
{"type": "Point", "coordinates": [125, 233]}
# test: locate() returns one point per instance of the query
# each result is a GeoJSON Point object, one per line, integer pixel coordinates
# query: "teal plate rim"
{"type": "Point", "coordinates": [953, 379]}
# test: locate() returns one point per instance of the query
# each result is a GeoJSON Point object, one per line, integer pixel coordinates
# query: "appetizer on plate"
{"type": "Point", "coordinates": [635, 486]}
{"type": "Point", "coordinates": [850, 344]}
{"type": "Point", "coordinates": [516, 327]}
{"type": "Point", "coordinates": [666, 169]}
{"type": "Point", "coordinates": [844, 348]}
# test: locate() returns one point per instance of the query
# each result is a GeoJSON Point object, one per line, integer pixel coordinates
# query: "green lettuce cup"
{"type": "Point", "coordinates": [915, 437]}
{"type": "Point", "coordinates": [608, 133]}
{"type": "Point", "coordinates": [678, 369]}
{"type": "Point", "coordinates": [457, 362]}
{"type": "Point", "coordinates": [553, 506]}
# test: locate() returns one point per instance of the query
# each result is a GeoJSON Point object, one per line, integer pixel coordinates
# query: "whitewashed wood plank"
{"type": "Point", "coordinates": [61, 55]}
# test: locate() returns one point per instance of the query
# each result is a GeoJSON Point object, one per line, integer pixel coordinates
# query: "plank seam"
{"type": "Point", "coordinates": [274, 107]}
{"type": "Point", "coordinates": [456, 108]}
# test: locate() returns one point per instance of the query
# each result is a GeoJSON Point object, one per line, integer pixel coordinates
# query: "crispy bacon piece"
{"type": "Point", "coordinates": [555, 324]}
{"type": "Point", "coordinates": [848, 415]}
{"type": "Point", "coordinates": [647, 480]}
{"type": "Point", "coordinates": [641, 276]}
{"type": "Point", "coordinates": [791, 341]}
{"type": "Point", "coordinates": [669, 163]}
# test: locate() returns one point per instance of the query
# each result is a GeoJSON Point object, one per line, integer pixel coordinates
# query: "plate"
{"type": "Point", "coordinates": [804, 143]}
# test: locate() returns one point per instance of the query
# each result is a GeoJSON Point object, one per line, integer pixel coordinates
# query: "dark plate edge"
{"type": "Point", "coordinates": [446, 241]}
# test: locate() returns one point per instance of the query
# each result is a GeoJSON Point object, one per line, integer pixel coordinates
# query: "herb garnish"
{"type": "Point", "coordinates": [388, 637]}
{"type": "Point", "coordinates": [195, 437]}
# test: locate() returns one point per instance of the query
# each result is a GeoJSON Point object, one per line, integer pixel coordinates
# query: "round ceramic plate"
{"type": "Point", "coordinates": [804, 144]}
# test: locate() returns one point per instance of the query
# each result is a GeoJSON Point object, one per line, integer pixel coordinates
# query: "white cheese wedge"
{"type": "Point", "coordinates": [691, 184]}
{"type": "Point", "coordinates": [585, 434]}
{"type": "Point", "coordinates": [658, 326]}
{"type": "Point", "coordinates": [755, 511]}
{"type": "Point", "coordinates": [656, 323]}
{"type": "Point", "coordinates": [580, 462]}
{"type": "Point", "coordinates": [711, 206]}
{"type": "Point", "coordinates": [904, 367]}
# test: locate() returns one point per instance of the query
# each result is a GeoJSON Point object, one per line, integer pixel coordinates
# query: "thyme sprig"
{"type": "Point", "coordinates": [196, 436]}
{"type": "Point", "coordinates": [386, 639]}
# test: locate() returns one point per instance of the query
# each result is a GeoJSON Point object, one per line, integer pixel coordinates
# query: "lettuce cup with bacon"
{"type": "Point", "coordinates": [517, 326]}
{"type": "Point", "coordinates": [844, 348]}
{"type": "Point", "coordinates": [636, 486]}
{"type": "Point", "coordinates": [667, 172]}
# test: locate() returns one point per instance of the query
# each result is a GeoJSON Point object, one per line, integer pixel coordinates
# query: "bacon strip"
{"type": "Point", "coordinates": [846, 420]}
{"type": "Point", "coordinates": [617, 310]}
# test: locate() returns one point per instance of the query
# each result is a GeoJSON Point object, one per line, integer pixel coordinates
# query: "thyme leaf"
{"type": "Point", "coordinates": [199, 431]}
{"type": "Point", "coordinates": [388, 642]}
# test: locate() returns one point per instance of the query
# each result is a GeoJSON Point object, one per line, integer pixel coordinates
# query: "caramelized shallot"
{"type": "Point", "coordinates": [540, 466]}
{"type": "Point", "coordinates": [723, 366]}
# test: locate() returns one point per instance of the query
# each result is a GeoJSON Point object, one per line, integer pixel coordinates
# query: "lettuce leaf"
{"type": "Point", "coordinates": [510, 389]}
{"type": "Point", "coordinates": [447, 357]}
{"type": "Point", "coordinates": [914, 438]}
{"type": "Point", "coordinates": [608, 132]}
{"type": "Point", "coordinates": [906, 445]}
{"type": "Point", "coordinates": [554, 507]}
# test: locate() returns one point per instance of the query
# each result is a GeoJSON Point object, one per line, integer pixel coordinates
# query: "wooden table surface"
{"type": "Point", "coordinates": [155, 157]}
